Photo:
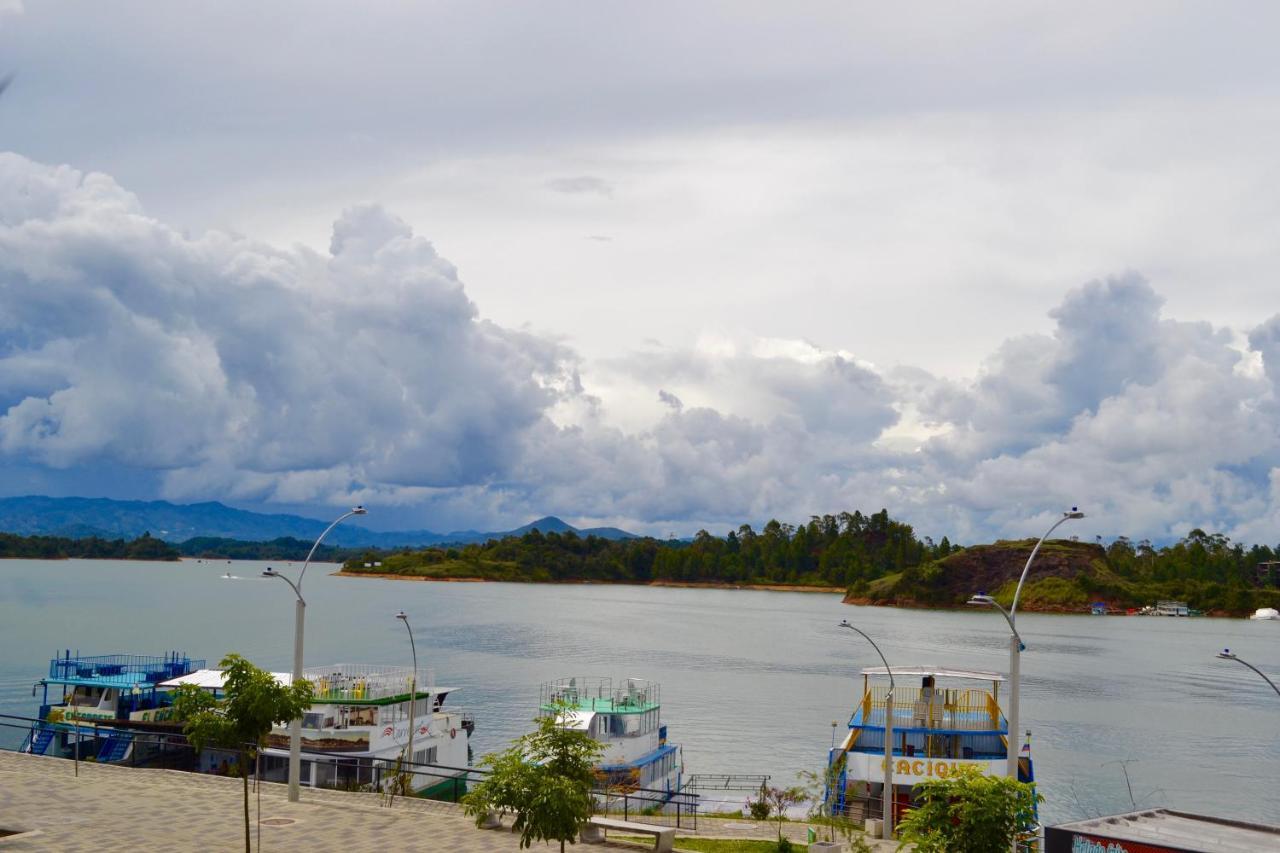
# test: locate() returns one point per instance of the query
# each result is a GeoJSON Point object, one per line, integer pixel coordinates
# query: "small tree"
{"type": "Point", "coordinates": [968, 811]}
{"type": "Point", "coordinates": [253, 701]}
{"type": "Point", "coordinates": [544, 779]}
{"type": "Point", "coordinates": [781, 799]}
{"type": "Point", "coordinates": [820, 793]}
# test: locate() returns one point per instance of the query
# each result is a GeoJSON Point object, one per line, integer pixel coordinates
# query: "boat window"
{"type": "Point", "coordinates": [311, 720]}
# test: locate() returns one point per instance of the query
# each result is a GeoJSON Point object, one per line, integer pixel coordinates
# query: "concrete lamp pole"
{"type": "Point", "coordinates": [413, 691]}
{"type": "Point", "coordinates": [299, 616]}
{"type": "Point", "coordinates": [1226, 654]}
{"type": "Point", "coordinates": [887, 799]}
{"type": "Point", "coordinates": [1016, 646]}
{"type": "Point", "coordinates": [1014, 741]}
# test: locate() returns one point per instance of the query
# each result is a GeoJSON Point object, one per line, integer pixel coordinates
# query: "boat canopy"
{"type": "Point", "coordinates": [213, 679]}
{"type": "Point", "coordinates": [578, 720]}
{"type": "Point", "coordinates": [938, 672]}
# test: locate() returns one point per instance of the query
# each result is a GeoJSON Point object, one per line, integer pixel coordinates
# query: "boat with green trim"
{"type": "Point", "coordinates": [626, 719]}
{"type": "Point", "coordinates": [355, 735]}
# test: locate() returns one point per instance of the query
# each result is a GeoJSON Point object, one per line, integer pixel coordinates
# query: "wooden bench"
{"type": "Point", "coordinates": [664, 837]}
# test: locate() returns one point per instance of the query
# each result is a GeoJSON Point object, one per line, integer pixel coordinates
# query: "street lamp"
{"type": "Point", "coordinates": [1016, 646]}
{"type": "Point", "coordinates": [299, 615]}
{"type": "Point", "coordinates": [1226, 654]}
{"type": "Point", "coordinates": [413, 690]}
{"type": "Point", "coordinates": [887, 798]}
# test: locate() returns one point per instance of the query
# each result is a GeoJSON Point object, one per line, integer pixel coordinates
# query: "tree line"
{"type": "Point", "coordinates": [145, 547]}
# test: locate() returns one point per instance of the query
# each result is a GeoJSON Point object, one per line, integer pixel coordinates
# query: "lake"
{"type": "Point", "coordinates": [751, 680]}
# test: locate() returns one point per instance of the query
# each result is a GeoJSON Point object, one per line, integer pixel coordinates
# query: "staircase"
{"type": "Point", "coordinates": [40, 740]}
{"type": "Point", "coordinates": [116, 747]}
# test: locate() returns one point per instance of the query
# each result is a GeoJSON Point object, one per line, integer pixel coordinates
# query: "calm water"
{"type": "Point", "coordinates": [750, 680]}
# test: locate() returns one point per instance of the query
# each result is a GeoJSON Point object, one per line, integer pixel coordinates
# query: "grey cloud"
{"type": "Point", "coordinates": [582, 185]}
{"type": "Point", "coordinates": [670, 399]}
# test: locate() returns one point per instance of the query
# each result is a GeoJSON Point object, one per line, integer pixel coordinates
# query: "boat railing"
{"type": "Point", "coordinates": [601, 694]}
{"type": "Point", "coordinates": [122, 668]}
{"type": "Point", "coordinates": [347, 682]}
{"type": "Point", "coordinates": [940, 709]}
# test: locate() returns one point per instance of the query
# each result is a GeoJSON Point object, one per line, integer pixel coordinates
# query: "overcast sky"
{"type": "Point", "coordinates": [661, 265]}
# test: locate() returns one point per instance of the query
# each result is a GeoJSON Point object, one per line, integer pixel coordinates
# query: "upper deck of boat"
{"type": "Point", "coordinates": [600, 695]}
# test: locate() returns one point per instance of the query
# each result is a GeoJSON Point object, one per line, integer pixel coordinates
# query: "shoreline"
{"type": "Point", "coordinates": [772, 587]}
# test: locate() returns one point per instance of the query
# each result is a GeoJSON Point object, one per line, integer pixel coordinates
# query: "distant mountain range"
{"type": "Point", "coordinates": [79, 518]}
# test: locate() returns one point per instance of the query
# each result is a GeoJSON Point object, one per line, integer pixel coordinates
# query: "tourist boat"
{"type": "Point", "coordinates": [356, 732]}
{"type": "Point", "coordinates": [943, 719]}
{"type": "Point", "coordinates": [1172, 608]}
{"type": "Point", "coordinates": [1266, 613]}
{"type": "Point", "coordinates": [626, 720]}
{"type": "Point", "coordinates": [99, 702]}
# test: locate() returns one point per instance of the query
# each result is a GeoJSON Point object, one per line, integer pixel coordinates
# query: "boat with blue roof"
{"type": "Point", "coordinates": [92, 705]}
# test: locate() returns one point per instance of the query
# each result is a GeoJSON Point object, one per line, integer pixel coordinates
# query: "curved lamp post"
{"type": "Point", "coordinates": [1226, 654]}
{"type": "Point", "coordinates": [887, 799]}
{"type": "Point", "coordinates": [413, 692]}
{"type": "Point", "coordinates": [299, 615]}
{"type": "Point", "coordinates": [1014, 745]}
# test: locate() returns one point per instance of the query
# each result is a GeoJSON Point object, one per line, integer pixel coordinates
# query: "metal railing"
{"type": "Point", "coordinates": [346, 682]}
{"type": "Point", "coordinates": [123, 668]}
{"type": "Point", "coordinates": [599, 694]}
{"type": "Point", "coordinates": [942, 709]}
{"type": "Point", "coordinates": [645, 805]}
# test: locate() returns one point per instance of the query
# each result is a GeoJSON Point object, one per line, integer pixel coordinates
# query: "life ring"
{"type": "Point", "coordinates": [453, 733]}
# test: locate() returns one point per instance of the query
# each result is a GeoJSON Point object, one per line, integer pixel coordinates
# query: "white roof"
{"type": "Point", "coordinates": [211, 679]}
{"type": "Point", "coordinates": [578, 720]}
{"type": "Point", "coordinates": [975, 674]}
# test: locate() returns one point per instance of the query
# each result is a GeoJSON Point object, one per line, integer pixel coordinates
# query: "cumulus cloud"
{"type": "Point", "coordinates": [236, 370]}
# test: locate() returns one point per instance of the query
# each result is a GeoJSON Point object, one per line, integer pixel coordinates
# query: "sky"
{"type": "Point", "coordinates": [667, 266]}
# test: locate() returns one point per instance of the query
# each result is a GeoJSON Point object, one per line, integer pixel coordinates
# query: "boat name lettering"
{"type": "Point", "coordinates": [923, 767]}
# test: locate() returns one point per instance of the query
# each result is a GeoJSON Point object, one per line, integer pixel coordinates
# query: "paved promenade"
{"type": "Point", "coordinates": [122, 808]}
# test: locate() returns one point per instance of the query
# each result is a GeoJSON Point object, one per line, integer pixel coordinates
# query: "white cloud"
{"type": "Point", "coordinates": [230, 365]}
{"type": "Point", "coordinates": [240, 371]}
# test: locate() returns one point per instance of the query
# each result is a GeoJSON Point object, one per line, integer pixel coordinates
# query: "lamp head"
{"type": "Point", "coordinates": [403, 616]}
{"type": "Point", "coordinates": [844, 623]}
{"type": "Point", "coordinates": [269, 572]}
{"type": "Point", "coordinates": [1075, 513]}
{"type": "Point", "coordinates": [1225, 654]}
{"type": "Point", "coordinates": [981, 600]}
{"type": "Point", "coordinates": [359, 510]}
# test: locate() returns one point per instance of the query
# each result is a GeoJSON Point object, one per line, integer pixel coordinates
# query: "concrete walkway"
{"type": "Point", "coordinates": [124, 808]}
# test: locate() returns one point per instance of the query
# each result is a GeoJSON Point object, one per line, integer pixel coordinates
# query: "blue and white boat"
{"type": "Point", "coordinates": [943, 719]}
{"type": "Point", "coordinates": [93, 704]}
{"type": "Point", "coordinates": [626, 719]}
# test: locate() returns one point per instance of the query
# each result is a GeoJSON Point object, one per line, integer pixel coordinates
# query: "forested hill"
{"type": "Point", "coordinates": [1208, 572]}
{"type": "Point", "coordinates": [831, 550]}
{"type": "Point", "coordinates": [876, 559]}
{"type": "Point", "coordinates": [145, 547]}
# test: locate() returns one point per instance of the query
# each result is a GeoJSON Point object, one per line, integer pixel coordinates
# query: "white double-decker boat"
{"type": "Point", "coordinates": [942, 721]}
{"type": "Point", "coordinates": [357, 729]}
